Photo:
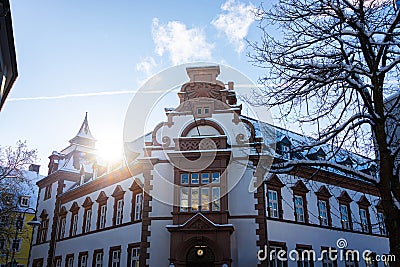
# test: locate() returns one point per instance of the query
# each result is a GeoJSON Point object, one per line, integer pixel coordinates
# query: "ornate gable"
{"type": "Point", "coordinates": [87, 203]}
{"type": "Point", "coordinates": [199, 222]}
{"type": "Point", "coordinates": [323, 192]}
{"type": "Point", "coordinates": [274, 182]}
{"type": "Point", "coordinates": [44, 214]}
{"type": "Point", "coordinates": [363, 202]}
{"type": "Point", "coordinates": [74, 208]}
{"type": "Point", "coordinates": [102, 198]}
{"type": "Point", "coordinates": [300, 187]}
{"type": "Point", "coordinates": [118, 192]}
{"type": "Point", "coordinates": [135, 186]}
{"type": "Point", "coordinates": [63, 211]}
{"type": "Point", "coordinates": [344, 197]}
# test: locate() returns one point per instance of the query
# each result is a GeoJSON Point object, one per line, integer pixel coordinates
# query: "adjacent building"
{"type": "Point", "coordinates": [195, 193]}
{"type": "Point", "coordinates": [8, 59]}
{"type": "Point", "coordinates": [17, 208]}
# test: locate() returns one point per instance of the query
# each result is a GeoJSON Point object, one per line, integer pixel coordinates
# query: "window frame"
{"type": "Point", "coordinates": [97, 252]}
{"type": "Point", "coordinates": [47, 192]}
{"type": "Point", "coordinates": [102, 201]}
{"type": "Point", "coordinates": [276, 245]}
{"type": "Point", "coordinates": [68, 259]}
{"type": "Point", "coordinates": [58, 261]}
{"type": "Point", "coordinates": [380, 216]}
{"type": "Point", "coordinates": [131, 247]}
{"type": "Point", "coordinates": [299, 209]}
{"type": "Point", "coordinates": [198, 183]}
{"type": "Point", "coordinates": [136, 189]}
{"type": "Point", "coordinates": [300, 261]}
{"type": "Point", "coordinates": [118, 208]}
{"type": "Point", "coordinates": [271, 201]}
{"type": "Point", "coordinates": [83, 255]}
{"type": "Point", "coordinates": [115, 249]}
{"type": "Point", "coordinates": [325, 261]}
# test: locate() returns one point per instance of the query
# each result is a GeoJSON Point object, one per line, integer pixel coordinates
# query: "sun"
{"type": "Point", "coordinates": [109, 151]}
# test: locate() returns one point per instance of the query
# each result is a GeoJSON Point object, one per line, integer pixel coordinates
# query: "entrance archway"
{"type": "Point", "coordinates": [200, 256]}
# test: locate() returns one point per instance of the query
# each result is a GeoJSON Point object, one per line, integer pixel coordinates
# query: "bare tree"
{"type": "Point", "coordinates": [14, 182]}
{"type": "Point", "coordinates": [330, 64]}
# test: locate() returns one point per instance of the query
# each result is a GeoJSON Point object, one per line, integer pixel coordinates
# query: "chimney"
{"type": "Point", "coordinates": [34, 168]}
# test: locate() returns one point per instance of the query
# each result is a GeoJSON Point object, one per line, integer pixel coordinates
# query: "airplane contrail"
{"type": "Point", "coordinates": [124, 92]}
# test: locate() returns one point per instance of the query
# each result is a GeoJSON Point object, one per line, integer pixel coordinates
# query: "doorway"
{"type": "Point", "coordinates": [200, 256]}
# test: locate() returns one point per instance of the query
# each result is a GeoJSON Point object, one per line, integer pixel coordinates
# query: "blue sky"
{"type": "Point", "coordinates": [90, 56]}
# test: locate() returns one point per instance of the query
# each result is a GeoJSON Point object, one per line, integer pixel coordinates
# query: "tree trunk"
{"type": "Point", "coordinates": [392, 214]}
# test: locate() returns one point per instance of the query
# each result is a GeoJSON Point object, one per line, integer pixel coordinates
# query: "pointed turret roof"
{"type": "Point", "coordinates": [84, 137]}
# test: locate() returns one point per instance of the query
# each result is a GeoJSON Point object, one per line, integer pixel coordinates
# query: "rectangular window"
{"type": "Point", "coordinates": [115, 261]}
{"type": "Point", "coordinates": [216, 203]}
{"type": "Point", "coordinates": [58, 262]}
{"type": "Point", "coordinates": [47, 192]}
{"type": "Point", "coordinates": [299, 207]}
{"type": "Point", "coordinates": [381, 222]}
{"type": "Point", "coordinates": [323, 212]}
{"type": "Point", "coordinates": [349, 262]}
{"type": "Point", "coordinates": [304, 259]}
{"type": "Point", "coordinates": [206, 110]}
{"type": "Point", "coordinates": [198, 110]}
{"type": "Point", "coordinates": [215, 178]}
{"type": "Point", "coordinates": [275, 262]}
{"type": "Point", "coordinates": [138, 206]}
{"type": "Point", "coordinates": [205, 199]}
{"type": "Point", "coordinates": [118, 219]}
{"type": "Point", "coordinates": [98, 259]}
{"type": "Point", "coordinates": [326, 261]}
{"type": "Point", "coordinates": [42, 232]}
{"type": "Point", "coordinates": [205, 178]}
{"type": "Point", "coordinates": [273, 204]}
{"type": "Point", "coordinates": [195, 198]}
{"type": "Point", "coordinates": [135, 254]}
{"type": "Point", "coordinates": [329, 257]}
{"type": "Point", "coordinates": [370, 260]}
{"type": "Point", "coordinates": [344, 215]}
{"type": "Point", "coordinates": [16, 244]}
{"type": "Point", "coordinates": [184, 178]}
{"type": "Point", "coordinates": [24, 202]}
{"type": "Point", "coordinates": [70, 261]}
{"type": "Point", "coordinates": [103, 212]}
{"type": "Point", "coordinates": [184, 198]}
{"type": "Point", "coordinates": [83, 261]}
{"type": "Point", "coordinates": [74, 224]}
{"type": "Point", "coordinates": [88, 221]}
{"type": "Point", "coordinates": [194, 178]}
{"type": "Point", "coordinates": [62, 227]}
{"type": "Point", "coordinates": [285, 152]}
{"type": "Point", "coordinates": [364, 220]}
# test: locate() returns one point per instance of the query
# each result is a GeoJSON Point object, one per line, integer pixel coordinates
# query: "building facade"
{"type": "Point", "coordinates": [194, 193]}
{"type": "Point", "coordinates": [17, 208]}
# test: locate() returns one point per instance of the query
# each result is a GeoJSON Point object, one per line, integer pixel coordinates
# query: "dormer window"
{"type": "Point", "coordinates": [284, 145]}
{"type": "Point", "coordinates": [24, 201]}
{"type": "Point", "coordinates": [285, 151]}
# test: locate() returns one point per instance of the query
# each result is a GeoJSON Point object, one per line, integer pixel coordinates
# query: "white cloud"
{"type": "Point", "coordinates": [235, 21]}
{"type": "Point", "coordinates": [182, 44]}
{"type": "Point", "coordinates": [146, 66]}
